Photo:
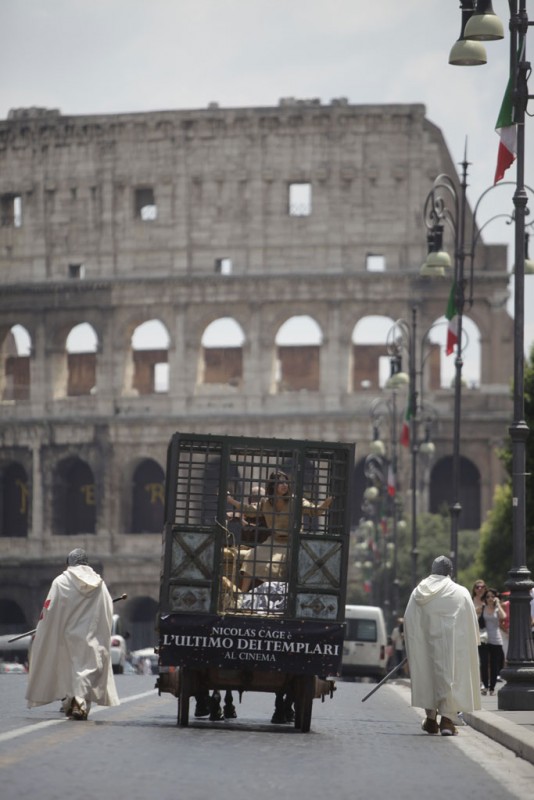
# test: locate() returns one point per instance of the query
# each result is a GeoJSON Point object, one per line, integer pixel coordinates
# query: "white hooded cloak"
{"type": "Point", "coordinates": [70, 655]}
{"type": "Point", "coordinates": [442, 636]}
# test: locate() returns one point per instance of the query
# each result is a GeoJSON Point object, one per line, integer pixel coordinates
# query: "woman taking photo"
{"type": "Point", "coordinates": [491, 654]}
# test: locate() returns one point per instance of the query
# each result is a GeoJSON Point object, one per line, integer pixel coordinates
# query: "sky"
{"type": "Point", "coordinates": [113, 56]}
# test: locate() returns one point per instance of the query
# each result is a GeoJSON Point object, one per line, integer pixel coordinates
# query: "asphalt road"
{"type": "Point", "coordinates": [355, 750]}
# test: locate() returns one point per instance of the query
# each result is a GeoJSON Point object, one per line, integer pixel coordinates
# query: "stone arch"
{"type": "Point", "coordinates": [12, 617]}
{"type": "Point", "coordinates": [74, 498]}
{"type": "Point", "coordinates": [442, 367]}
{"type": "Point", "coordinates": [221, 358]}
{"type": "Point", "coordinates": [81, 345]}
{"type": "Point", "coordinates": [16, 499]}
{"type": "Point", "coordinates": [147, 370]}
{"type": "Point", "coordinates": [298, 354]}
{"type": "Point", "coordinates": [369, 363]}
{"type": "Point", "coordinates": [147, 497]}
{"type": "Point", "coordinates": [141, 622]}
{"type": "Point", "coordinates": [15, 353]}
{"type": "Point", "coordinates": [441, 490]}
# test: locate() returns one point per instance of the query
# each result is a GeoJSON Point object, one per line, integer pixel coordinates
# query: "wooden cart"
{"type": "Point", "coordinates": [285, 633]}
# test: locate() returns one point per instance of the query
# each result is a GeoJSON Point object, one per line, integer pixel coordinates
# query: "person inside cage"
{"type": "Point", "coordinates": [248, 529]}
{"type": "Point", "coordinates": [268, 560]}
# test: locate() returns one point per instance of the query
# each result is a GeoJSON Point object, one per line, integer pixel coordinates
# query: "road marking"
{"type": "Point", "coordinates": [37, 726]}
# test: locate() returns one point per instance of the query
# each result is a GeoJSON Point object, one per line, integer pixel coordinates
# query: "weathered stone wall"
{"type": "Point", "coordinates": [128, 218]}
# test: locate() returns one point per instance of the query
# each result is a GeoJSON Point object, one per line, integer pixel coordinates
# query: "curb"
{"type": "Point", "coordinates": [509, 734]}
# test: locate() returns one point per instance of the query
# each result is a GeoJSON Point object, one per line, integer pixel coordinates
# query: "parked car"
{"type": "Point", "coordinates": [119, 650]}
{"type": "Point", "coordinates": [144, 659]}
{"type": "Point", "coordinates": [364, 648]}
{"type": "Point", "coordinates": [12, 668]}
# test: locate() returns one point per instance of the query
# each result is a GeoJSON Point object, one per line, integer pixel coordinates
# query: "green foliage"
{"type": "Point", "coordinates": [433, 539]}
{"type": "Point", "coordinates": [486, 554]}
{"type": "Point", "coordinates": [494, 558]}
{"type": "Point", "coordinates": [496, 546]}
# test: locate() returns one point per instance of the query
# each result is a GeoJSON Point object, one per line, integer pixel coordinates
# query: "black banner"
{"type": "Point", "coordinates": [300, 647]}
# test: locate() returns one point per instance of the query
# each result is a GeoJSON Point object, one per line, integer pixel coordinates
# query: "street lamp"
{"type": "Point", "coordinates": [402, 337]}
{"type": "Point", "coordinates": [447, 204]}
{"type": "Point", "coordinates": [382, 410]}
{"type": "Point", "coordinates": [518, 693]}
{"type": "Point", "coordinates": [367, 545]}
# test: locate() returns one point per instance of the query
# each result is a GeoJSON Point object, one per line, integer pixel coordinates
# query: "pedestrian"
{"type": "Point", "coordinates": [492, 654]}
{"type": "Point", "coordinates": [441, 636]}
{"type": "Point", "coordinates": [268, 561]}
{"type": "Point", "coordinates": [505, 624]}
{"type": "Point", "coordinates": [397, 640]}
{"type": "Point", "coordinates": [477, 593]}
{"type": "Point", "coordinates": [70, 655]}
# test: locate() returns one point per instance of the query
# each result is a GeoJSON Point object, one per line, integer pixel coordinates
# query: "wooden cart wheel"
{"type": "Point", "coordinates": [183, 697]}
{"type": "Point", "coordinates": [304, 702]}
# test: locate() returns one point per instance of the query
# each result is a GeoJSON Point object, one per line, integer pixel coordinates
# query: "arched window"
{"type": "Point", "coordinates": [81, 345]}
{"type": "Point", "coordinates": [222, 352]}
{"type": "Point", "coordinates": [370, 361]}
{"type": "Point", "coordinates": [74, 498]}
{"type": "Point", "coordinates": [150, 352]}
{"type": "Point", "coordinates": [147, 497]}
{"type": "Point", "coordinates": [469, 490]}
{"type": "Point", "coordinates": [471, 355]}
{"type": "Point", "coordinates": [298, 354]}
{"type": "Point", "coordinates": [16, 350]}
{"type": "Point", "coordinates": [142, 613]}
{"type": "Point", "coordinates": [12, 618]}
{"type": "Point", "coordinates": [15, 501]}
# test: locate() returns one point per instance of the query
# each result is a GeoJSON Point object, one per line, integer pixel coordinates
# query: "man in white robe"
{"type": "Point", "coordinates": [442, 636]}
{"type": "Point", "coordinates": [70, 654]}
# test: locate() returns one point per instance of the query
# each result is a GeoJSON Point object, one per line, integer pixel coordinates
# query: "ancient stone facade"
{"type": "Point", "coordinates": [257, 215]}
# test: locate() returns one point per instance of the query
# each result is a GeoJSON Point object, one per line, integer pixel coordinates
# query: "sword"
{"type": "Point", "coordinates": [388, 676]}
{"type": "Point", "coordinates": [30, 633]}
{"type": "Point", "coordinates": [21, 636]}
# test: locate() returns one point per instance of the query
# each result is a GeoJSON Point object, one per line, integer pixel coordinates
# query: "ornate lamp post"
{"type": "Point", "coordinates": [402, 337]}
{"type": "Point", "coordinates": [383, 466]}
{"type": "Point", "coordinates": [437, 211]}
{"type": "Point", "coordinates": [446, 204]}
{"type": "Point", "coordinates": [373, 509]}
{"type": "Point", "coordinates": [518, 693]}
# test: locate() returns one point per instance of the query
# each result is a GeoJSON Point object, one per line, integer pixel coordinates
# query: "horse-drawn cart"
{"type": "Point", "coordinates": [253, 578]}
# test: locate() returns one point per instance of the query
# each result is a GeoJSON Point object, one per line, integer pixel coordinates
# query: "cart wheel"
{"type": "Point", "coordinates": [183, 697]}
{"type": "Point", "coordinates": [304, 702]}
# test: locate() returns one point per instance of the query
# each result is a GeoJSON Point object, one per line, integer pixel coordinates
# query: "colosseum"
{"type": "Point", "coordinates": [154, 268]}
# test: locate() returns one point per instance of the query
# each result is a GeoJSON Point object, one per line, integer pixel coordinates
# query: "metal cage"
{"type": "Point", "coordinates": [295, 559]}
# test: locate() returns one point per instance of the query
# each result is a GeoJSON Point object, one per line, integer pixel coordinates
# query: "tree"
{"type": "Point", "coordinates": [495, 554]}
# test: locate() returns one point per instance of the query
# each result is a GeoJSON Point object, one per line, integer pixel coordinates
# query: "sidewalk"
{"type": "Point", "coordinates": [512, 729]}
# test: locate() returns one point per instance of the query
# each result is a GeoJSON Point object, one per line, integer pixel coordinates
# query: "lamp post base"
{"type": "Point", "coordinates": [518, 692]}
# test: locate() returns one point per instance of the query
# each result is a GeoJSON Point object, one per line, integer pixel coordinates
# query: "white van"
{"type": "Point", "coordinates": [364, 648]}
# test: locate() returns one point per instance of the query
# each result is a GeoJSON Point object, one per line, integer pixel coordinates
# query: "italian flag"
{"type": "Point", "coordinates": [506, 128]}
{"type": "Point", "coordinates": [391, 481]}
{"type": "Point", "coordinates": [452, 316]}
{"type": "Point", "coordinates": [405, 432]}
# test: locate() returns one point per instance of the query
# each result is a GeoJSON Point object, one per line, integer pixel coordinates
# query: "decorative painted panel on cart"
{"type": "Point", "coordinates": [192, 556]}
{"type": "Point", "coordinates": [319, 564]}
{"type": "Point", "coordinates": [189, 598]}
{"type": "Point", "coordinates": [317, 606]}
{"type": "Point", "coordinates": [191, 570]}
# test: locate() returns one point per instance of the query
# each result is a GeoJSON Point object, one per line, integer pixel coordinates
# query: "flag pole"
{"type": "Point", "coordinates": [413, 441]}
